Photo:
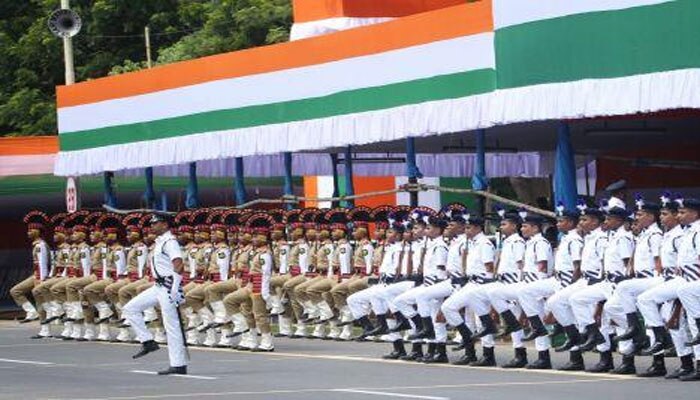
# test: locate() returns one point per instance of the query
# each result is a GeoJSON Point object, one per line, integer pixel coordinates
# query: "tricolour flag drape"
{"type": "Point", "coordinates": [455, 69]}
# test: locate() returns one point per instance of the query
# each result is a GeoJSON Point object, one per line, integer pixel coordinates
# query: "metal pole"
{"type": "Point", "coordinates": [288, 185]}
{"type": "Point", "coordinates": [336, 189]}
{"type": "Point", "coordinates": [349, 185]}
{"type": "Point", "coordinates": [238, 184]}
{"type": "Point", "coordinates": [479, 180]}
{"type": "Point", "coordinates": [70, 79]}
{"type": "Point", "coordinates": [147, 35]}
{"type": "Point", "coordinates": [149, 195]}
{"type": "Point", "coordinates": [109, 198]}
{"type": "Point", "coordinates": [412, 170]}
{"type": "Point", "coordinates": [192, 198]}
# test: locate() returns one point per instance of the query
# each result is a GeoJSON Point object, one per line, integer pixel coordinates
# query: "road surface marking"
{"type": "Point", "coordinates": [138, 371]}
{"type": "Point", "coordinates": [9, 360]}
{"type": "Point", "coordinates": [389, 394]}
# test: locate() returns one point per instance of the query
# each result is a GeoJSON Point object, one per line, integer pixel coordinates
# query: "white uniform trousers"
{"type": "Point", "coordinates": [426, 298]}
{"type": "Point", "coordinates": [532, 296]}
{"type": "Point", "coordinates": [404, 302]}
{"type": "Point", "coordinates": [471, 297]}
{"type": "Point", "coordinates": [628, 291]}
{"type": "Point", "coordinates": [392, 291]}
{"type": "Point", "coordinates": [584, 303]}
{"type": "Point", "coordinates": [560, 305]}
{"type": "Point", "coordinates": [664, 295]}
{"type": "Point", "coordinates": [482, 305]}
{"type": "Point", "coordinates": [158, 295]}
{"type": "Point", "coordinates": [614, 311]}
{"type": "Point", "coordinates": [689, 295]}
{"type": "Point", "coordinates": [505, 297]}
{"type": "Point", "coordinates": [359, 303]}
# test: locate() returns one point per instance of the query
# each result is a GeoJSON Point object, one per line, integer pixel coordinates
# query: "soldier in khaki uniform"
{"type": "Point", "coordinates": [240, 249]}
{"type": "Point", "coordinates": [113, 266]}
{"type": "Point", "coordinates": [59, 261]}
{"type": "Point", "coordinates": [321, 252]}
{"type": "Point", "coordinates": [36, 223]}
{"type": "Point", "coordinates": [261, 266]}
{"type": "Point", "coordinates": [195, 296]}
{"type": "Point", "coordinates": [238, 305]}
{"type": "Point", "coordinates": [299, 262]}
{"type": "Point", "coordinates": [281, 251]}
{"type": "Point", "coordinates": [136, 256]}
{"type": "Point", "coordinates": [362, 268]}
{"type": "Point", "coordinates": [92, 260]}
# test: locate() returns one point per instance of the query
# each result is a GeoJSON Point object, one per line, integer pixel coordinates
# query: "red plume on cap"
{"type": "Point", "coordinates": [131, 222]}
{"type": "Point", "coordinates": [279, 216]}
{"type": "Point", "coordinates": [91, 219]}
{"type": "Point", "coordinates": [338, 218]}
{"type": "Point", "coordinates": [145, 223]}
{"type": "Point", "coordinates": [215, 221]}
{"type": "Point", "coordinates": [380, 216]}
{"type": "Point", "coordinates": [259, 223]}
{"type": "Point", "coordinates": [360, 216]}
{"type": "Point", "coordinates": [36, 220]}
{"type": "Point", "coordinates": [110, 222]}
{"type": "Point", "coordinates": [182, 221]}
{"type": "Point", "coordinates": [233, 219]}
{"type": "Point", "coordinates": [57, 222]}
{"type": "Point", "coordinates": [293, 219]}
{"type": "Point", "coordinates": [198, 219]}
{"type": "Point", "coordinates": [76, 221]}
{"type": "Point", "coordinates": [310, 216]}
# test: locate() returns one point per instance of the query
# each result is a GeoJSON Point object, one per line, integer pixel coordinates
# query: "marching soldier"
{"type": "Point", "coordinates": [119, 292]}
{"type": "Point", "coordinates": [260, 273]}
{"type": "Point", "coordinates": [36, 223]}
{"type": "Point", "coordinates": [194, 298]}
{"type": "Point", "coordinates": [300, 261]}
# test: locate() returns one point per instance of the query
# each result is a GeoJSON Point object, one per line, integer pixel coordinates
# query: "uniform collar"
{"type": "Point", "coordinates": [537, 236]}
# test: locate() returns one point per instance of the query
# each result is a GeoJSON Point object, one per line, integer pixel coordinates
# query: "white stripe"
{"type": "Point", "coordinates": [514, 12]}
{"type": "Point", "coordinates": [138, 371]}
{"type": "Point", "coordinates": [319, 27]}
{"type": "Point", "coordinates": [33, 164]}
{"type": "Point", "coordinates": [8, 360]}
{"type": "Point", "coordinates": [619, 96]}
{"type": "Point", "coordinates": [388, 394]}
{"type": "Point", "coordinates": [439, 58]}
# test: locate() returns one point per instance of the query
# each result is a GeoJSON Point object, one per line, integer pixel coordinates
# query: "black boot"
{"type": "Point", "coordinates": [430, 354]}
{"type": "Point", "coordinates": [657, 368]}
{"type": "Point", "coordinates": [399, 351]}
{"type": "Point", "coordinates": [415, 354]}
{"type": "Point", "coordinates": [510, 323]}
{"type": "Point", "coordinates": [402, 324]}
{"type": "Point", "coordinates": [469, 355]}
{"type": "Point", "coordinates": [593, 338]}
{"type": "Point", "coordinates": [465, 333]}
{"type": "Point", "coordinates": [381, 328]}
{"type": "Point", "coordinates": [428, 332]}
{"type": "Point", "coordinates": [633, 327]}
{"type": "Point", "coordinates": [694, 376]}
{"type": "Point", "coordinates": [543, 361]}
{"type": "Point", "coordinates": [605, 364]}
{"type": "Point", "coordinates": [573, 338]}
{"type": "Point", "coordinates": [696, 339]}
{"type": "Point", "coordinates": [663, 342]}
{"type": "Point", "coordinates": [367, 327]}
{"type": "Point", "coordinates": [146, 347]}
{"type": "Point", "coordinates": [627, 367]}
{"type": "Point", "coordinates": [520, 359]}
{"type": "Point", "coordinates": [487, 326]}
{"type": "Point", "coordinates": [440, 356]}
{"type": "Point", "coordinates": [575, 362]}
{"type": "Point", "coordinates": [174, 371]}
{"type": "Point", "coordinates": [488, 359]}
{"type": "Point", "coordinates": [686, 368]}
{"type": "Point", "coordinates": [417, 322]}
{"type": "Point", "coordinates": [537, 329]}
{"type": "Point", "coordinates": [557, 329]}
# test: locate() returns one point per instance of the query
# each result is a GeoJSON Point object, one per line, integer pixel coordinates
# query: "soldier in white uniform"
{"type": "Point", "coordinates": [618, 252]}
{"type": "Point", "coordinates": [659, 304]}
{"type": "Point", "coordinates": [558, 289]}
{"type": "Point", "coordinates": [167, 265]}
{"type": "Point", "coordinates": [689, 262]}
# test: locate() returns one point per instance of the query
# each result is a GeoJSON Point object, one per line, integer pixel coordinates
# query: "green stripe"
{"type": "Point", "coordinates": [343, 103]}
{"type": "Point", "coordinates": [607, 44]}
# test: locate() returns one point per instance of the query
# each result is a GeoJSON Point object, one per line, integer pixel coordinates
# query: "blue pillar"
{"type": "Point", "coordinates": [479, 179]}
{"type": "Point", "coordinates": [564, 169]}
{"type": "Point", "coordinates": [349, 185]}
{"type": "Point", "coordinates": [192, 198]}
{"type": "Point", "coordinates": [110, 198]}
{"type": "Point", "coordinates": [336, 189]}
{"type": "Point", "coordinates": [163, 200]}
{"type": "Point", "coordinates": [412, 170]}
{"type": "Point", "coordinates": [149, 195]}
{"type": "Point", "coordinates": [238, 184]}
{"type": "Point", "coordinates": [288, 186]}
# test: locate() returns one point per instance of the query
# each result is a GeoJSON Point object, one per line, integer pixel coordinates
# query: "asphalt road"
{"type": "Point", "coordinates": [298, 369]}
